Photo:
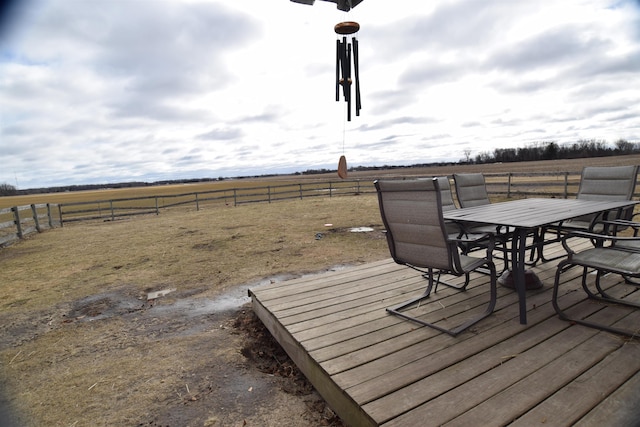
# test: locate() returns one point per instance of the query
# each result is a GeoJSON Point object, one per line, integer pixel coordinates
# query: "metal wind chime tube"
{"type": "Point", "coordinates": [345, 52]}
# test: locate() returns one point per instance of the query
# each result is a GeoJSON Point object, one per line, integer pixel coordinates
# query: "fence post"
{"type": "Point", "coordinates": [509, 187]}
{"type": "Point", "coordinates": [34, 211]}
{"type": "Point", "coordinates": [113, 217]}
{"type": "Point", "coordinates": [566, 184]}
{"type": "Point", "coordinates": [157, 209]}
{"type": "Point", "coordinates": [269, 193]}
{"type": "Point", "coordinates": [49, 215]}
{"type": "Point", "coordinates": [358, 186]}
{"type": "Point", "coordinates": [16, 215]}
{"type": "Point", "coordinates": [300, 191]}
{"type": "Point", "coordinates": [330, 189]}
{"type": "Point", "coordinates": [235, 197]}
{"type": "Point", "coordinates": [60, 214]}
{"type": "Point", "coordinates": [197, 204]}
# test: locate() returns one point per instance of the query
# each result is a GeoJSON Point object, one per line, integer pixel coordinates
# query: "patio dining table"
{"type": "Point", "coordinates": [525, 215]}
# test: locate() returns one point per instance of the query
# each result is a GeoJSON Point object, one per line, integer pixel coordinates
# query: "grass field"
{"type": "Point", "coordinates": [73, 309]}
{"type": "Point", "coordinates": [118, 193]}
{"type": "Point", "coordinates": [81, 345]}
{"type": "Point", "coordinates": [574, 165]}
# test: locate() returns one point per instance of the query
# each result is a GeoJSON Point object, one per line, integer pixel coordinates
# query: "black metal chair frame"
{"type": "Point", "coordinates": [471, 190]}
{"type": "Point", "coordinates": [595, 259]}
{"type": "Point", "coordinates": [468, 238]}
{"type": "Point", "coordinates": [440, 241]}
{"type": "Point", "coordinates": [594, 187]}
{"type": "Point", "coordinates": [613, 227]}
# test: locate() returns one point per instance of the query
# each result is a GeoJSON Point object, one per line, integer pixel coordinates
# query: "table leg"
{"type": "Point", "coordinates": [518, 246]}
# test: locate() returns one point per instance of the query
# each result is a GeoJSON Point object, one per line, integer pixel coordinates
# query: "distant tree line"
{"type": "Point", "coordinates": [85, 187]}
{"type": "Point", "coordinates": [545, 150]}
{"type": "Point", "coordinates": [374, 168]}
{"type": "Point", "coordinates": [8, 190]}
{"type": "Point", "coordinates": [553, 151]}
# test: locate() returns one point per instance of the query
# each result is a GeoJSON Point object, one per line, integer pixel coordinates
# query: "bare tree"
{"type": "Point", "coordinates": [467, 155]}
{"type": "Point", "coordinates": [8, 190]}
{"type": "Point", "coordinates": [624, 146]}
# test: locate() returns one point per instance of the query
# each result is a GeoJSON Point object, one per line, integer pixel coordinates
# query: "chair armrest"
{"type": "Point", "coordinates": [468, 239]}
{"type": "Point", "coordinates": [622, 223]}
{"type": "Point", "coordinates": [597, 237]}
{"type": "Point", "coordinates": [476, 238]}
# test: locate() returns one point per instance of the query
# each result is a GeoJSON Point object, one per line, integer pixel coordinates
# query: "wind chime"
{"type": "Point", "coordinates": [346, 52]}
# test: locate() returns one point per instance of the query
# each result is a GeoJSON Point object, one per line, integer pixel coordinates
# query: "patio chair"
{"type": "Point", "coordinates": [411, 211]}
{"type": "Point", "coordinates": [603, 259]}
{"type": "Point", "coordinates": [457, 231]}
{"type": "Point", "coordinates": [613, 183]}
{"type": "Point", "coordinates": [471, 190]}
{"type": "Point", "coordinates": [446, 196]}
{"type": "Point", "coordinates": [468, 229]}
{"type": "Point", "coordinates": [613, 227]}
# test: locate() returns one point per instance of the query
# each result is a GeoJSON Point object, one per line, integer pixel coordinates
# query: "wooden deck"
{"type": "Point", "coordinates": [375, 369]}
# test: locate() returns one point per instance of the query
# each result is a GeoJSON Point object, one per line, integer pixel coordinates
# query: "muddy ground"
{"type": "Point", "coordinates": [233, 373]}
{"type": "Point", "coordinates": [81, 343]}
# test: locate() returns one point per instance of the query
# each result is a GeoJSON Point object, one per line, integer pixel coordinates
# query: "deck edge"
{"type": "Point", "coordinates": [346, 408]}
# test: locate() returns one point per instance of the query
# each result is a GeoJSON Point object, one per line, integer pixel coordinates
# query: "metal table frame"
{"type": "Point", "coordinates": [526, 215]}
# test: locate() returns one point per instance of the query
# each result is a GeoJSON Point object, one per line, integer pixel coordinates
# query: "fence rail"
{"type": "Point", "coordinates": [15, 223]}
{"type": "Point", "coordinates": [117, 208]}
{"type": "Point", "coordinates": [20, 221]}
{"type": "Point", "coordinates": [499, 185]}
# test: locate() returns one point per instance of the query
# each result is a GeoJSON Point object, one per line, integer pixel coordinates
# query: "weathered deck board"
{"type": "Point", "coordinates": [619, 407]}
{"type": "Point", "coordinates": [378, 369]}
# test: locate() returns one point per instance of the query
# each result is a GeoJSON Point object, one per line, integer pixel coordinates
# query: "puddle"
{"type": "Point", "coordinates": [230, 300]}
{"type": "Point", "coordinates": [361, 229]}
{"type": "Point", "coordinates": [110, 304]}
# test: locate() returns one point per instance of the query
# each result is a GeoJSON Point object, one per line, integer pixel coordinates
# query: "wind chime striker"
{"type": "Point", "coordinates": [346, 52]}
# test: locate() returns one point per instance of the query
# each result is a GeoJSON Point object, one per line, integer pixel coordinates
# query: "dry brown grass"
{"type": "Point", "coordinates": [123, 193]}
{"type": "Point", "coordinates": [574, 165]}
{"type": "Point", "coordinates": [187, 249]}
{"type": "Point", "coordinates": [63, 369]}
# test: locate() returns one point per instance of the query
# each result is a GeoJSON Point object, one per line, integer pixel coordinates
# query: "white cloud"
{"type": "Point", "coordinates": [102, 90]}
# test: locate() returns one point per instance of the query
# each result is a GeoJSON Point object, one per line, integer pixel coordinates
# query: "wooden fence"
{"type": "Point", "coordinates": [501, 186]}
{"type": "Point", "coordinates": [20, 221]}
{"type": "Point", "coordinates": [117, 208]}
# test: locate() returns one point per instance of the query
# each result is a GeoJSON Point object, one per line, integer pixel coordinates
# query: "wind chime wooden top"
{"type": "Point", "coordinates": [347, 27]}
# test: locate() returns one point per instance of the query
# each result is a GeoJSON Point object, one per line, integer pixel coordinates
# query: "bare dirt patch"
{"type": "Point", "coordinates": [224, 368]}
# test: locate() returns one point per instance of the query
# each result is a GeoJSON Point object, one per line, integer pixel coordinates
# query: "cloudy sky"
{"type": "Point", "coordinates": [99, 91]}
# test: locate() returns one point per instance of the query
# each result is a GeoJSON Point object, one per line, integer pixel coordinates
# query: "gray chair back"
{"type": "Point", "coordinates": [471, 189]}
{"type": "Point", "coordinates": [411, 211]}
{"type": "Point", "coordinates": [446, 194]}
{"type": "Point", "coordinates": [607, 183]}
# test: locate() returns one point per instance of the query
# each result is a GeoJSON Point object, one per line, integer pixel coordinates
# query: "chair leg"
{"type": "Point", "coordinates": [536, 249]}
{"type": "Point", "coordinates": [541, 256]}
{"type": "Point", "coordinates": [397, 310]}
{"type": "Point", "coordinates": [505, 254]}
{"type": "Point", "coordinates": [437, 282]}
{"type": "Point", "coordinates": [602, 294]}
{"type": "Point", "coordinates": [566, 265]}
